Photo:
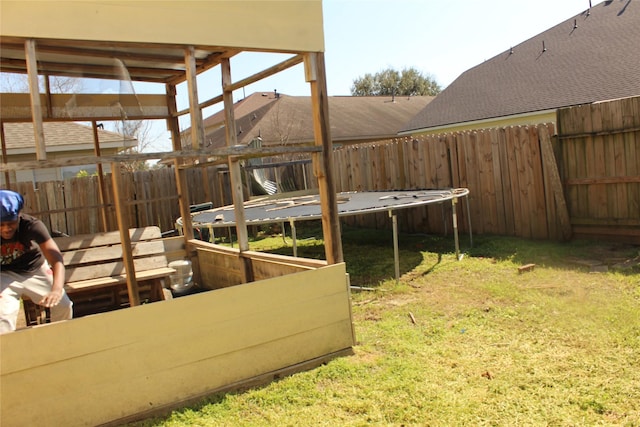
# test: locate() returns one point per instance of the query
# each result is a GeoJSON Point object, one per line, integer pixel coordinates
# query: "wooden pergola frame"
{"type": "Point", "coordinates": [83, 58]}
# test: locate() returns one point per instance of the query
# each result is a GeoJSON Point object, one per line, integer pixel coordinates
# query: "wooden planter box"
{"type": "Point", "coordinates": [128, 364]}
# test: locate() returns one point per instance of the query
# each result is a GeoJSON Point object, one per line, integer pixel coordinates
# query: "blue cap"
{"type": "Point", "coordinates": [12, 204]}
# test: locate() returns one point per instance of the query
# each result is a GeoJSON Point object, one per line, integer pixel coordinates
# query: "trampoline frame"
{"type": "Point", "coordinates": [302, 206]}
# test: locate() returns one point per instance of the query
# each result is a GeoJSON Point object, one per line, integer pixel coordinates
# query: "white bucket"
{"type": "Point", "coordinates": [181, 280]}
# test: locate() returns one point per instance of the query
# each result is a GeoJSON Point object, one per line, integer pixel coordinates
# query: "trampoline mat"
{"type": "Point", "coordinates": [268, 209]}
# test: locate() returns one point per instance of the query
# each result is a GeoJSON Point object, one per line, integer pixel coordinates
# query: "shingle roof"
{"type": "Point", "coordinates": [593, 56]}
{"type": "Point", "coordinates": [287, 119]}
{"type": "Point", "coordinates": [60, 135]}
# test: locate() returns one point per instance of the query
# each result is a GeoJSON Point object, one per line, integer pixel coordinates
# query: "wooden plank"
{"type": "Point", "coordinates": [433, 161]}
{"type": "Point", "coordinates": [583, 156]}
{"type": "Point", "coordinates": [505, 183]}
{"type": "Point", "coordinates": [342, 165]}
{"type": "Point", "coordinates": [108, 253]}
{"type": "Point", "coordinates": [463, 178]}
{"type": "Point", "coordinates": [486, 165]}
{"type": "Point", "coordinates": [443, 171]}
{"type": "Point", "coordinates": [473, 177]}
{"type": "Point", "coordinates": [632, 152]}
{"type": "Point", "coordinates": [123, 224]}
{"type": "Point", "coordinates": [36, 106]}
{"type": "Point", "coordinates": [598, 199]}
{"type": "Point", "coordinates": [514, 178]}
{"type": "Point", "coordinates": [402, 164]}
{"type": "Point", "coordinates": [498, 179]}
{"type": "Point", "coordinates": [249, 300]}
{"type": "Point", "coordinates": [552, 177]}
{"type": "Point", "coordinates": [617, 162]}
{"type": "Point", "coordinates": [520, 141]}
{"type": "Point", "coordinates": [106, 238]}
{"type": "Point", "coordinates": [114, 268]}
{"type": "Point", "coordinates": [383, 164]}
{"type": "Point", "coordinates": [366, 169]}
{"type": "Point", "coordinates": [374, 167]}
{"type": "Point", "coordinates": [296, 318]}
{"type": "Point", "coordinates": [608, 161]}
{"type": "Point", "coordinates": [323, 164]}
{"type": "Point", "coordinates": [107, 281]}
{"type": "Point", "coordinates": [355, 167]}
{"type": "Point", "coordinates": [538, 218]}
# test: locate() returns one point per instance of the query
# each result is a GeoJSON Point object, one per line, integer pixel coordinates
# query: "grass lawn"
{"type": "Point", "coordinates": [457, 343]}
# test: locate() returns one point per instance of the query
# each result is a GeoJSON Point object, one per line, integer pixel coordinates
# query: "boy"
{"type": "Point", "coordinates": [31, 264]}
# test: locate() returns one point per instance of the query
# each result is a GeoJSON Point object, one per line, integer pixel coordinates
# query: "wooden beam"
{"type": "Point", "coordinates": [102, 188]}
{"type": "Point", "coordinates": [214, 155]}
{"type": "Point", "coordinates": [552, 174]}
{"type": "Point", "coordinates": [123, 225]}
{"type": "Point", "coordinates": [34, 91]}
{"type": "Point", "coordinates": [235, 173]}
{"type": "Point", "coordinates": [16, 107]}
{"type": "Point", "coordinates": [604, 180]}
{"type": "Point", "coordinates": [173, 125]}
{"type": "Point", "coordinates": [177, 60]}
{"type": "Point", "coordinates": [183, 195]}
{"type": "Point", "coordinates": [94, 71]}
{"type": "Point", "coordinates": [249, 80]}
{"type": "Point", "coordinates": [197, 127]}
{"type": "Point", "coordinates": [3, 143]}
{"type": "Point", "coordinates": [211, 61]}
{"type": "Point", "coordinates": [267, 72]}
{"type": "Point", "coordinates": [323, 162]}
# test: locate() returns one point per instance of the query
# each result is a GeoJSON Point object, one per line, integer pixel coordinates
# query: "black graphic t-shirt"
{"type": "Point", "coordinates": [22, 253]}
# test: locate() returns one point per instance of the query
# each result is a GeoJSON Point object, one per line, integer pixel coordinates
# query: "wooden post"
{"type": "Point", "coordinates": [34, 91]}
{"type": "Point", "coordinates": [235, 174]}
{"type": "Point", "coordinates": [176, 142]}
{"type": "Point", "coordinates": [7, 175]}
{"type": "Point", "coordinates": [197, 125]}
{"type": "Point", "coordinates": [181, 178]}
{"type": "Point", "coordinates": [125, 238]}
{"type": "Point", "coordinates": [551, 173]}
{"type": "Point", "coordinates": [323, 162]}
{"type": "Point", "coordinates": [47, 91]}
{"type": "Point", "coordinates": [183, 196]}
{"type": "Point", "coordinates": [102, 191]}
{"type": "Point", "coordinates": [172, 120]}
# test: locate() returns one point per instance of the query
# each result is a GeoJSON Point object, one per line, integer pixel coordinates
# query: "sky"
{"type": "Point", "coordinates": [441, 39]}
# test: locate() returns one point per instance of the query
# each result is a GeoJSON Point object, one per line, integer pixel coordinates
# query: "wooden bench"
{"type": "Point", "coordinates": [96, 279]}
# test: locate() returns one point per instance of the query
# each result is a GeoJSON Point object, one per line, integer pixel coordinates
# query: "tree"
{"type": "Point", "coordinates": [142, 130]}
{"type": "Point", "coordinates": [389, 82]}
{"type": "Point", "coordinates": [19, 83]}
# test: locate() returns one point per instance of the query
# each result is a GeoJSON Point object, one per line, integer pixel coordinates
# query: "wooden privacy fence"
{"type": "Point", "coordinates": [600, 165]}
{"type": "Point", "coordinates": [513, 180]}
{"type": "Point", "coordinates": [524, 181]}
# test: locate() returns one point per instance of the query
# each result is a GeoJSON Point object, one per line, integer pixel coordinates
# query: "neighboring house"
{"type": "Point", "coordinates": [281, 119]}
{"type": "Point", "coordinates": [62, 140]}
{"type": "Point", "coordinates": [593, 56]}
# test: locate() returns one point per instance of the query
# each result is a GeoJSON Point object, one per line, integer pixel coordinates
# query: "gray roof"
{"type": "Point", "coordinates": [593, 56]}
{"type": "Point", "coordinates": [61, 136]}
{"type": "Point", "coordinates": [285, 119]}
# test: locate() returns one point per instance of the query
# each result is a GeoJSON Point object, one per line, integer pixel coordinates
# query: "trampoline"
{"type": "Point", "coordinates": [292, 208]}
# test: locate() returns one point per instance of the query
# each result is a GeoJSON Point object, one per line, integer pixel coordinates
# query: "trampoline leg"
{"type": "Point", "coordinates": [454, 201]}
{"type": "Point", "coordinates": [396, 256]}
{"type": "Point", "coordinates": [469, 217]}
